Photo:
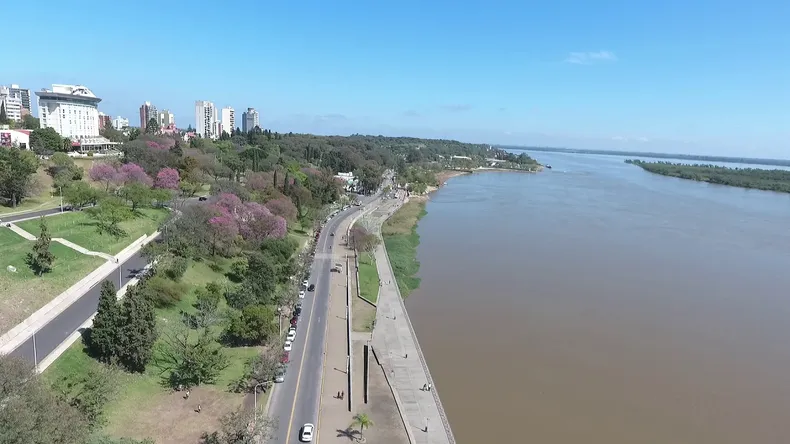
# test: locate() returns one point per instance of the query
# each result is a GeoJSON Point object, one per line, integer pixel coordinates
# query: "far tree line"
{"type": "Point", "coordinates": [757, 178]}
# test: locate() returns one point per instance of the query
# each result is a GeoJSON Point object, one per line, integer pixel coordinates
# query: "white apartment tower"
{"type": "Point", "coordinates": [71, 110]}
{"type": "Point", "coordinates": [228, 120]}
{"type": "Point", "coordinates": [120, 123]}
{"type": "Point", "coordinates": [166, 119]}
{"type": "Point", "coordinates": [206, 119]}
{"type": "Point", "coordinates": [11, 102]}
{"type": "Point", "coordinates": [250, 120]}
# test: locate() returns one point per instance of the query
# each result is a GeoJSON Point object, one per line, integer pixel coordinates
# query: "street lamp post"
{"type": "Point", "coordinates": [61, 198]}
{"type": "Point", "coordinates": [279, 320]}
{"type": "Point", "coordinates": [255, 402]}
{"type": "Point", "coordinates": [120, 273]}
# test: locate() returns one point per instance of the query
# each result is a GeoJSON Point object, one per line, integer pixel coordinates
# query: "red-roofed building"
{"type": "Point", "coordinates": [18, 138]}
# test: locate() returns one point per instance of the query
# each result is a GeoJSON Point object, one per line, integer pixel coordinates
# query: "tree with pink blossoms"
{"type": "Point", "coordinates": [283, 207]}
{"type": "Point", "coordinates": [168, 179]}
{"type": "Point", "coordinates": [133, 173]}
{"type": "Point", "coordinates": [224, 231]}
{"type": "Point", "coordinates": [105, 173]}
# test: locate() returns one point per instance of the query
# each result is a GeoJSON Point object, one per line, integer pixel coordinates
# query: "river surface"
{"type": "Point", "coordinates": [598, 303]}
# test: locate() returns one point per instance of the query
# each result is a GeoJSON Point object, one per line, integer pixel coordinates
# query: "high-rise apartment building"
{"type": "Point", "coordinates": [11, 102]}
{"type": "Point", "coordinates": [166, 119]}
{"type": "Point", "coordinates": [206, 119]}
{"type": "Point", "coordinates": [249, 120]}
{"type": "Point", "coordinates": [147, 112]}
{"type": "Point", "coordinates": [104, 120]}
{"type": "Point", "coordinates": [23, 94]}
{"type": "Point", "coordinates": [228, 120]}
{"type": "Point", "coordinates": [120, 123]}
{"type": "Point", "coordinates": [71, 110]}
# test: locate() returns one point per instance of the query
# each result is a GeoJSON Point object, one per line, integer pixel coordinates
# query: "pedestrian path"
{"type": "Point", "coordinates": [29, 236]}
{"type": "Point", "coordinates": [395, 343]}
{"type": "Point", "coordinates": [21, 232]}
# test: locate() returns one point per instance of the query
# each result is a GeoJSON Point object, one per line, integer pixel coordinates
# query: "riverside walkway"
{"type": "Point", "coordinates": [395, 343]}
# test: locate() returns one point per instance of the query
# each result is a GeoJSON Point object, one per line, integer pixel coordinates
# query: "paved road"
{"type": "Point", "coordinates": [28, 215]}
{"type": "Point", "coordinates": [57, 330]}
{"type": "Point", "coordinates": [296, 401]}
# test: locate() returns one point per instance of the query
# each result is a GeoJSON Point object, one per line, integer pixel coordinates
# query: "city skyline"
{"type": "Point", "coordinates": [673, 77]}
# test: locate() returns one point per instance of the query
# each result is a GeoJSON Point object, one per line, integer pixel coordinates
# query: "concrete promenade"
{"type": "Point", "coordinates": [395, 343]}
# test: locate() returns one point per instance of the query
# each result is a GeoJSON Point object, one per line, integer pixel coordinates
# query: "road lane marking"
{"type": "Point", "coordinates": [301, 366]}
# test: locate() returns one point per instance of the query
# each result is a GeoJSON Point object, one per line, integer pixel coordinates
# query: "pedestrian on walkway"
{"type": "Point", "coordinates": [430, 387]}
{"type": "Point", "coordinates": [343, 394]}
{"type": "Point", "coordinates": [425, 387]}
{"type": "Point", "coordinates": [407, 356]}
{"type": "Point", "coordinates": [187, 395]}
{"type": "Point", "coordinates": [198, 409]}
{"type": "Point", "coordinates": [338, 395]}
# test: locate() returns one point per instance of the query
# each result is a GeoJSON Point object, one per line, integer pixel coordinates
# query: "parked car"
{"type": "Point", "coordinates": [288, 345]}
{"type": "Point", "coordinates": [305, 283]}
{"type": "Point", "coordinates": [301, 294]}
{"type": "Point", "coordinates": [202, 198]}
{"type": "Point", "coordinates": [291, 336]}
{"type": "Point", "coordinates": [298, 311]}
{"type": "Point", "coordinates": [286, 358]}
{"type": "Point", "coordinates": [311, 287]}
{"type": "Point", "coordinates": [294, 320]}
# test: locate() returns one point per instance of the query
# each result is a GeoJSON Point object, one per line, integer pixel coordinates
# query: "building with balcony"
{"type": "Point", "coordinates": [206, 124]}
{"type": "Point", "coordinates": [72, 111]}
{"type": "Point", "coordinates": [250, 120]}
{"type": "Point", "coordinates": [228, 120]}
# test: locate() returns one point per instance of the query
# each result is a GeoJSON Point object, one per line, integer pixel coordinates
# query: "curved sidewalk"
{"type": "Point", "coordinates": [396, 345]}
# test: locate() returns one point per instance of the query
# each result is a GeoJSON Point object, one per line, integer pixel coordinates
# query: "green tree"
{"type": "Point", "coordinates": [363, 421]}
{"type": "Point", "coordinates": [113, 134]}
{"type": "Point", "coordinates": [137, 194]}
{"type": "Point", "coordinates": [66, 145]}
{"type": "Point", "coordinates": [192, 359]}
{"type": "Point", "coordinates": [31, 413]}
{"type": "Point", "coordinates": [254, 326]}
{"type": "Point", "coordinates": [40, 259]}
{"type": "Point", "coordinates": [109, 213]}
{"type": "Point", "coordinates": [3, 117]}
{"type": "Point", "coordinates": [152, 126]}
{"type": "Point", "coordinates": [260, 281]}
{"type": "Point", "coordinates": [89, 392]}
{"type": "Point", "coordinates": [17, 168]}
{"type": "Point", "coordinates": [139, 330]}
{"type": "Point", "coordinates": [30, 122]}
{"type": "Point", "coordinates": [45, 140]}
{"type": "Point", "coordinates": [79, 194]}
{"type": "Point", "coordinates": [104, 336]}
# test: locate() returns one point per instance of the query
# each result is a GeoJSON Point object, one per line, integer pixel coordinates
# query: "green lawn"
{"type": "Point", "coordinates": [368, 278]}
{"type": "Point", "coordinates": [80, 228]}
{"type": "Point", "coordinates": [144, 394]}
{"type": "Point", "coordinates": [298, 233]}
{"type": "Point", "coordinates": [22, 293]}
{"type": "Point", "coordinates": [401, 239]}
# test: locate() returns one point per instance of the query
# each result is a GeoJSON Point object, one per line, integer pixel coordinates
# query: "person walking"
{"type": "Point", "coordinates": [430, 387]}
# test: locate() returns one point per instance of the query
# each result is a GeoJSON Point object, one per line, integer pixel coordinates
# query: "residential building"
{"type": "Point", "coordinates": [104, 120]}
{"type": "Point", "coordinates": [249, 120]}
{"type": "Point", "coordinates": [147, 112]}
{"type": "Point", "coordinates": [166, 119]}
{"type": "Point", "coordinates": [11, 101]}
{"type": "Point", "coordinates": [206, 124]}
{"type": "Point", "coordinates": [24, 93]}
{"type": "Point", "coordinates": [72, 111]}
{"type": "Point", "coordinates": [228, 120]}
{"type": "Point", "coordinates": [120, 123]}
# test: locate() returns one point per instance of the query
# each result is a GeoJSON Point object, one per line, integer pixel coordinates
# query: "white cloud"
{"type": "Point", "coordinates": [588, 58]}
{"type": "Point", "coordinates": [630, 139]}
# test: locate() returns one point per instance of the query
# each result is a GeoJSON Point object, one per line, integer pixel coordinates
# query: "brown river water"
{"type": "Point", "coordinates": [598, 303]}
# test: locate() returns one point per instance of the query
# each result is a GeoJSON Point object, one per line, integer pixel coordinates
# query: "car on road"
{"type": "Point", "coordinates": [280, 376]}
{"type": "Point", "coordinates": [286, 358]}
{"type": "Point", "coordinates": [301, 294]}
{"type": "Point", "coordinates": [311, 287]}
{"type": "Point", "coordinates": [306, 434]}
{"type": "Point", "coordinates": [294, 320]}
{"type": "Point", "coordinates": [202, 198]}
{"type": "Point", "coordinates": [291, 336]}
{"type": "Point", "coordinates": [305, 283]}
{"type": "Point", "coordinates": [288, 345]}
{"type": "Point", "coordinates": [298, 311]}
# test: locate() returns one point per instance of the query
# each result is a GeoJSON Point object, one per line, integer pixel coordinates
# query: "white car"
{"type": "Point", "coordinates": [307, 433]}
{"type": "Point", "coordinates": [288, 346]}
{"type": "Point", "coordinates": [301, 294]}
{"type": "Point", "coordinates": [291, 336]}
{"type": "Point", "coordinates": [305, 283]}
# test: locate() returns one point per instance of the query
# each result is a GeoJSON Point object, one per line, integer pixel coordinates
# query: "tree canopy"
{"type": "Point", "coordinates": [757, 178]}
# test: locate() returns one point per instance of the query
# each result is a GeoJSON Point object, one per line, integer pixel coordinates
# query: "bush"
{"type": "Point", "coordinates": [237, 270]}
{"type": "Point", "coordinates": [163, 292]}
{"type": "Point", "coordinates": [178, 266]}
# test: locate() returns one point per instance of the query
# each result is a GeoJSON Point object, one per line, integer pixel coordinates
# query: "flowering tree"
{"type": "Point", "coordinates": [283, 207]}
{"type": "Point", "coordinates": [133, 173]}
{"type": "Point", "coordinates": [103, 172]}
{"type": "Point", "coordinates": [167, 178]}
{"type": "Point", "coordinates": [252, 220]}
{"type": "Point", "coordinates": [224, 231]}
{"type": "Point", "coordinates": [154, 145]}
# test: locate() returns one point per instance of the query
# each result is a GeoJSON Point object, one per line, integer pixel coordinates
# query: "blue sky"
{"type": "Point", "coordinates": [675, 76]}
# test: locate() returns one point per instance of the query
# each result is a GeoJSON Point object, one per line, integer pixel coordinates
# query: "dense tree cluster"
{"type": "Point", "coordinates": [757, 178]}
{"type": "Point", "coordinates": [17, 169]}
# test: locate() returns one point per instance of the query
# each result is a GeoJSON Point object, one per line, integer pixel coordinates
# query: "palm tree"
{"type": "Point", "coordinates": [363, 421]}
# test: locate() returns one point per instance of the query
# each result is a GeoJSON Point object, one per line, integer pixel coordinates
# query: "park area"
{"type": "Point", "coordinates": [400, 236]}
{"type": "Point", "coordinates": [22, 292]}
{"type": "Point", "coordinates": [144, 406]}
{"type": "Point", "coordinates": [368, 277]}
{"type": "Point", "coordinates": [80, 228]}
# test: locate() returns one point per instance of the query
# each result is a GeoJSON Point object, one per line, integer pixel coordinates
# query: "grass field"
{"type": "Point", "coordinates": [298, 233]}
{"type": "Point", "coordinates": [401, 239]}
{"type": "Point", "coordinates": [78, 227]}
{"type": "Point", "coordinates": [368, 278]}
{"type": "Point", "coordinates": [143, 406]}
{"type": "Point", "coordinates": [22, 293]}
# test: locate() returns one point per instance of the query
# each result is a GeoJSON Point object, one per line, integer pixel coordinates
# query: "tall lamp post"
{"type": "Point", "coordinates": [255, 402]}
{"type": "Point", "coordinates": [61, 198]}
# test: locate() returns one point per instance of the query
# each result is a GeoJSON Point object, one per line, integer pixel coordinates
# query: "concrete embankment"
{"type": "Point", "coordinates": [398, 352]}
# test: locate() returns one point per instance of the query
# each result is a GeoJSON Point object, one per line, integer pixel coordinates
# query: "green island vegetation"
{"type": "Point", "coordinates": [760, 179]}
{"type": "Point", "coordinates": [688, 157]}
{"type": "Point", "coordinates": [203, 327]}
{"type": "Point", "coordinates": [364, 242]}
